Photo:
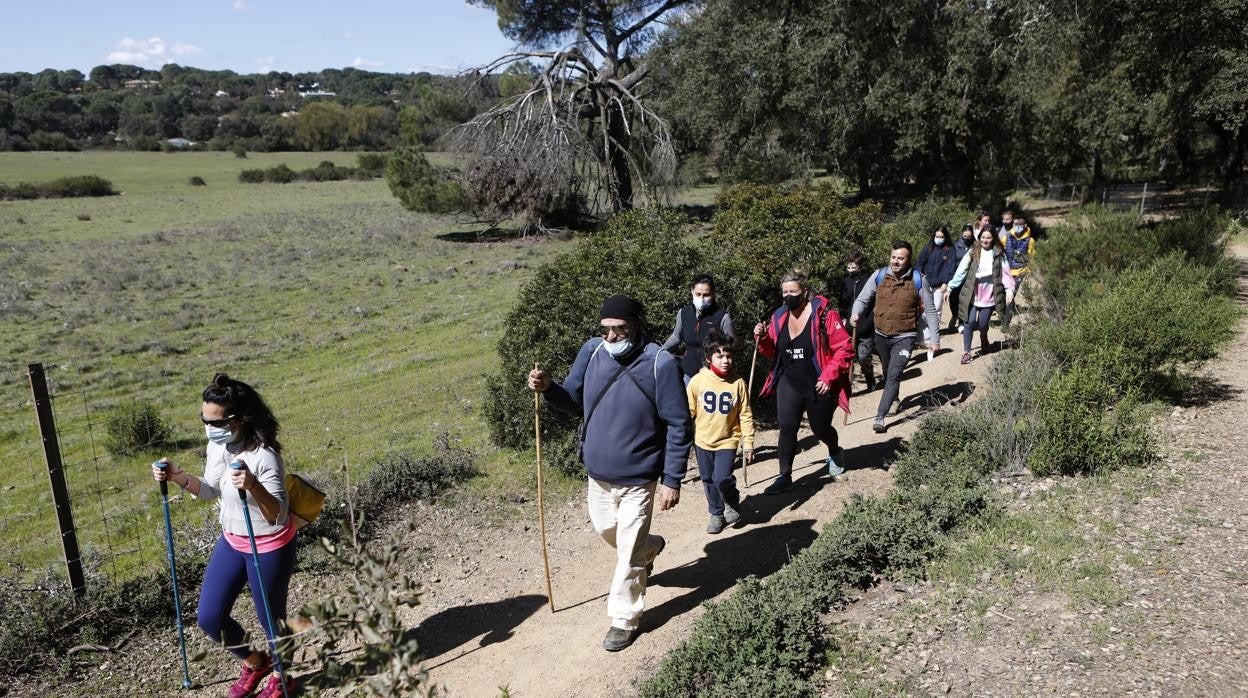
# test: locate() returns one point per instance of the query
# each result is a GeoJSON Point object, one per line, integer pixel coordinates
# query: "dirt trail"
{"type": "Point", "coordinates": [1173, 621]}
{"type": "Point", "coordinates": [484, 622]}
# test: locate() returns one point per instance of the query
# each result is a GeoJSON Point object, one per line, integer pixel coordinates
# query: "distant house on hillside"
{"type": "Point", "coordinates": [317, 93]}
{"type": "Point", "coordinates": [221, 93]}
{"type": "Point", "coordinates": [140, 84]}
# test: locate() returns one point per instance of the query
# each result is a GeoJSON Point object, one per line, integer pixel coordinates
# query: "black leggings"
{"type": "Point", "coordinates": [791, 402]}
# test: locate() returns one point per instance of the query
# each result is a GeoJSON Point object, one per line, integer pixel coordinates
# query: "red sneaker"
{"type": "Point", "coordinates": [250, 679]}
{"type": "Point", "coordinates": [273, 689]}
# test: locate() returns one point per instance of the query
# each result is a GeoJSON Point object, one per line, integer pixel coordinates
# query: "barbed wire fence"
{"type": "Point", "coordinates": [102, 522]}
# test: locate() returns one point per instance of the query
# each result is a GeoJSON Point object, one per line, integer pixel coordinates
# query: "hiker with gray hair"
{"type": "Point", "coordinates": [634, 440]}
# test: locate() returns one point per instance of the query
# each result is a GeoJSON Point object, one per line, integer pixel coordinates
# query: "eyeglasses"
{"type": "Point", "coordinates": [621, 331]}
{"type": "Point", "coordinates": [218, 423]}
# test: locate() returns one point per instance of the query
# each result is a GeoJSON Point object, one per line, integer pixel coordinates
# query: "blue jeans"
{"type": "Point", "coordinates": [717, 479]}
{"type": "Point", "coordinates": [976, 319]}
{"type": "Point", "coordinates": [228, 570]}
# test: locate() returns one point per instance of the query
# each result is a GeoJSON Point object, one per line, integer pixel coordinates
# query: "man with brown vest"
{"type": "Point", "coordinates": [898, 310]}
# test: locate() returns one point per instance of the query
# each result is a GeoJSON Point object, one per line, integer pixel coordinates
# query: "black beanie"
{"type": "Point", "coordinates": [621, 307]}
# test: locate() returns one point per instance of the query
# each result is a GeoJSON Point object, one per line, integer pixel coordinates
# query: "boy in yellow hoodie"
{"type": "Point", "coordinates": [720, 405]}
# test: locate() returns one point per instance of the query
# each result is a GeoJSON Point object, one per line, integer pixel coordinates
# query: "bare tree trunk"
{"type": "Point", "coordinates": [617, 155]}
{"type": "Point", "coordinates": [1098, 178]}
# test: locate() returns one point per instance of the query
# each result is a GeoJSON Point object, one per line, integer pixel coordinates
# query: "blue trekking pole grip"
{"type": "Point", "coordinates": [173, 573]}
{"type": "Point", "coordinates": [264, 597]}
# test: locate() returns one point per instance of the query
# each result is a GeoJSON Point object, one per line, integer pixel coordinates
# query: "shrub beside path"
{"type": "Point", "coordinates": [1149, 587]}
{"type": "Point", "coordinates": [484, 622]}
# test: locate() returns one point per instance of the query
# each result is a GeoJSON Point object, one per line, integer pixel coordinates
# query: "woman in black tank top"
{"type": "Point", "coordinates": [798, 388]}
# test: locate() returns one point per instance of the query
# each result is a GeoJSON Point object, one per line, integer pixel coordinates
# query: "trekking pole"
{"type": "Point", "coordinates": [173, 574]}
{"type": "Point", "coordinates": [853, 345]}
{"type": "Point", "coordinates": [541, 509]}
{"type": "Point", "coordinates": [264, 597]}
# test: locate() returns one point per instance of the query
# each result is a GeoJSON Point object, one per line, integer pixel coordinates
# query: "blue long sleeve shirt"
{"type": "Point", "coordinates": [641, 430]}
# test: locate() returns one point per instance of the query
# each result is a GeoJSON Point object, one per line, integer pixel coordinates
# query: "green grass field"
{"type": "Point", "coordinates": [368, 328]}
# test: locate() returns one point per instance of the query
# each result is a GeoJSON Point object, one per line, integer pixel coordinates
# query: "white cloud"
{"type": "Point", "coordinates": [365, 63]}
{"type": "Point", "coordinates": [149, 52]}
{"type": "Point", "coordinates": [265, 63]}
{"type": "Point", "coordinates": [240, 6]}
{"type": "Point", "coordinates": [350, 35]}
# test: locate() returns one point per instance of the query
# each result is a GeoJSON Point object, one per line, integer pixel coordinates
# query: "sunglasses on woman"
{"type": "Point", "coordinates": [218, 423]}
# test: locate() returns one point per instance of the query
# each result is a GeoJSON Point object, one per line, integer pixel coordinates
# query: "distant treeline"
{"type": "Point", "coordinates": [127, 106]}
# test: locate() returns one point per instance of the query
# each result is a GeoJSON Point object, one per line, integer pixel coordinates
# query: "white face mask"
{"type": "Point", "coordinates": [217, 435]}
{"type": "Point", "coordinates": [618, 349]}
{"type": "Point", "coordinates": [701, 303]}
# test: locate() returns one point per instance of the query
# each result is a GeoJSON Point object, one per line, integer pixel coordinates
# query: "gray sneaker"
{"type": "Point", "coordinates": [879, 427]}
{"type": "Point", "coordinates": [836, 463]}
{"type": "Point", "coordinates": [618, 638]}
{"type": "Point", "coordinates": [716, 524]}
{"type": "Point", "coordinates": [731, 515]}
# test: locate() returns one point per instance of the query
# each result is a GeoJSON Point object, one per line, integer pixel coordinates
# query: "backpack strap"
{"type": "Point", "coordinates": [915, 275]}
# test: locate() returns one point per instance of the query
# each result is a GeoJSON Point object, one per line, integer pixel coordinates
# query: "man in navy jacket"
{"type": "Point", "coordinates": [636, 435]}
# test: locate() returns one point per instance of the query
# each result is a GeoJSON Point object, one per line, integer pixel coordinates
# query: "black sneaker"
{"type": "Point", "coordinates": [618, 638]}
{"type": "Point", "coordinates": [780, 484]}
{"type": "Point", "coordinates": [879, 427]}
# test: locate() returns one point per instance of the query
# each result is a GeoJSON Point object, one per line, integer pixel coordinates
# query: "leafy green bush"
{"type": "Point", "coordinates": [1083, 255]}
{"type": "Point", "coordinates": [197, 181]}
{"type": "Point", "coordinates": [1084, 428]}
{"type": "Point", "coordinates": [326, 171]}
{"type": "Point", "coordinates": [372, 164]}
{"type": "Point", "coordinates": [135, 427]}
{"type": "Point", "coordinates": [419, 186]}
{"type": "Point", "coordinates": [279, 174]}
{"type": "Point", "coordinates": [251, 176]}
{"type": "Point", "coordinates": [63, 188]}
{"type": "Point", "coordinates": [643, 253]}
{"type": "Point", "coordinates": [916, 224]}
{"type": "Point", "coordinates": [1147, 323]}
{"type": "Point", "coordinates": [762, 165]}
{"type": "Point", "coordinates": [760, 232]}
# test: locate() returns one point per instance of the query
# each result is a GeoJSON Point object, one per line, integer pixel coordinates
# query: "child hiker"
{"type": "Point", "coordinates": [720, 405]}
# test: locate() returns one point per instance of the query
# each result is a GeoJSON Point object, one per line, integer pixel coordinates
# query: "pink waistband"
{"type": "Point", "coordinates": [264, 544]}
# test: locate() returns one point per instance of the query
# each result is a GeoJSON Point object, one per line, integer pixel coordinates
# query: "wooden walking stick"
{"type": "Point", "coordinates": [541, 509]}
{"type": "Point", "coordinates": [745, 465]}
{"type": "Point", "coordinates": [853, 345]}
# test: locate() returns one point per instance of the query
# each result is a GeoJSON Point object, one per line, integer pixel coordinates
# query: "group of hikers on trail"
{"type": "Point", "coordinates": [636, 433]}
{"type": "Point", "coordinates": [642, 410]}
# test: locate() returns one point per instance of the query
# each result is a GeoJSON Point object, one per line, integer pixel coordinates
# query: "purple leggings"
{"type": "Point", "coordinates": [228, 570]}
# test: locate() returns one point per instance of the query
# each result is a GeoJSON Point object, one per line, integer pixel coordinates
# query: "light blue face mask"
{"type": "Point", "coordinates": [618, 349]}
{"type": "Point", "coordinates": [701, 302]}
{"type": "Point", "coordinates": [217, 435]}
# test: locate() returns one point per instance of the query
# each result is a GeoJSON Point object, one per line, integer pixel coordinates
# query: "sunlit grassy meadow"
{"type": "Point", "coordinates": [368, 328]}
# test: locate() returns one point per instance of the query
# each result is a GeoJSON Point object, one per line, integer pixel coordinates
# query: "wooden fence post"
{"type": "Point", "coordinates": [56, 475]}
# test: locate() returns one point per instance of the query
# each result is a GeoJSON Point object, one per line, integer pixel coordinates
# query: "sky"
{"type": "Point", "coordinates": [249, 36]}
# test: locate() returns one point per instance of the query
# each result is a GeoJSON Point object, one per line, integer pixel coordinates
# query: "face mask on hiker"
{"type": "Point", "coordinates": [217, 429]}
{"type": "Point", "coordinates": [617, 336]}
{"type": "Point", "coordinates": [794, 296]}
{"type": "Point", "coordinates": [939, 240]}
{"type": "Point", "coordinates": [703, 297]}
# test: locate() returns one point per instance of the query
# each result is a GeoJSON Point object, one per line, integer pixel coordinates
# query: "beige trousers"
{"type": "Point", "coordinates": [621, 515]}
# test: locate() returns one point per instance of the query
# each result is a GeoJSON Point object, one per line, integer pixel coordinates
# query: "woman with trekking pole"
{"type": "Point", "coordinates": [256, 547]}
